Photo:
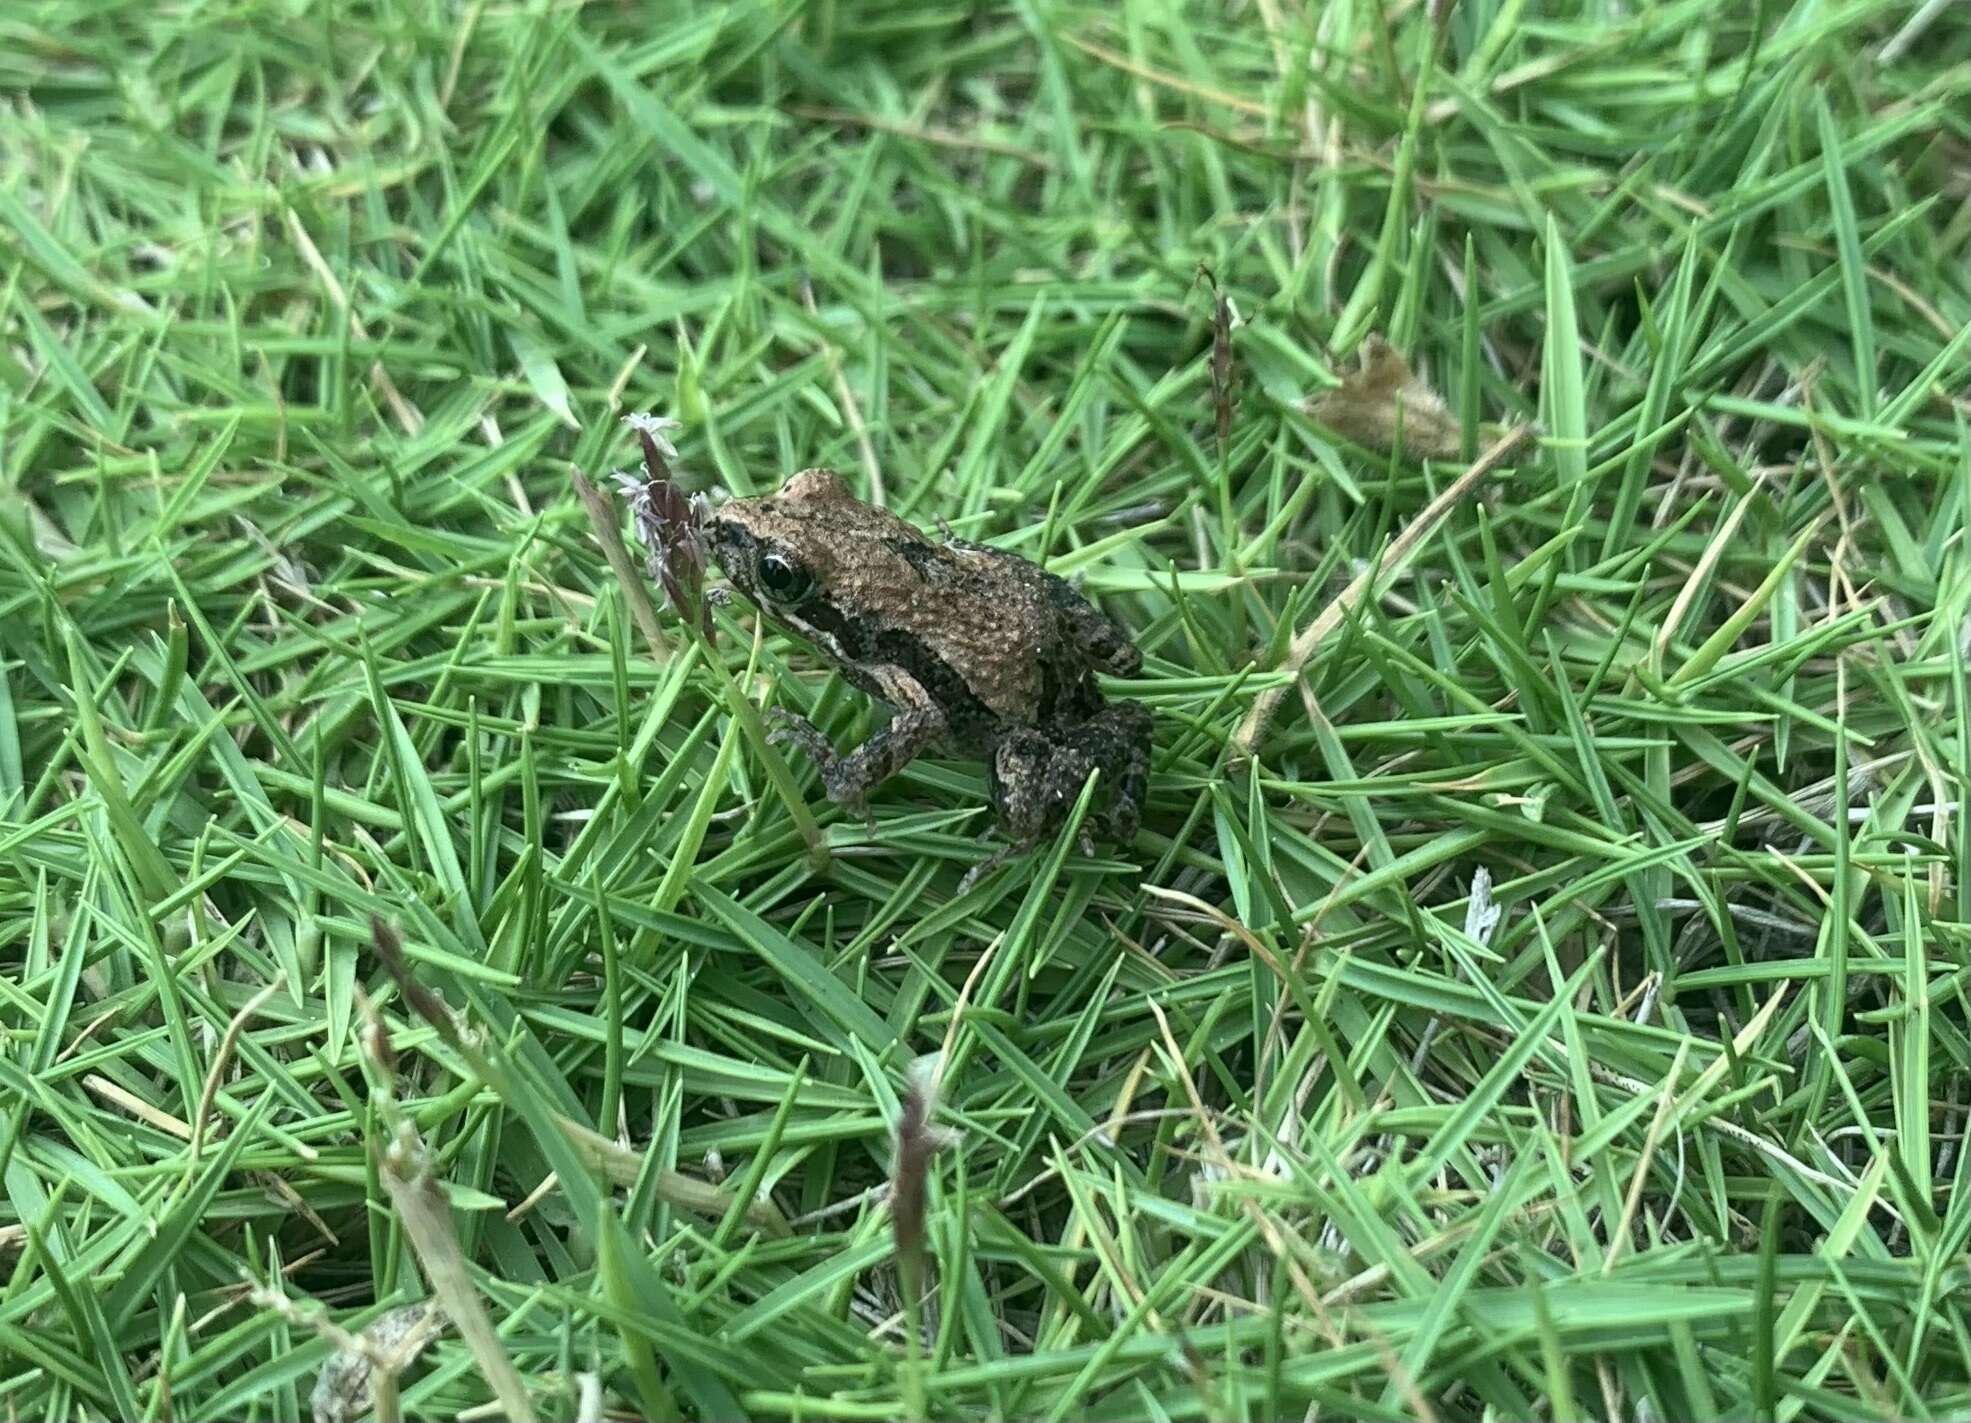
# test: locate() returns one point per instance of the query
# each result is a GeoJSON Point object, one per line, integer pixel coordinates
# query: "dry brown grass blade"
{"type": "Point", "coordinates": [919, 1138]}
{"type": "Point", "coordinates": [406, 1172]}
{"type": "Point", "coordinates": [405, 1168]}
{"type": "Point", "coordinates": [624, 1166]}
{"type": "Point", "coordinates": [1223, 397]}
{"type": "Point", "coordinates": [220, 1059]}
{"type": "Point", "coordinates": [1391, 563]}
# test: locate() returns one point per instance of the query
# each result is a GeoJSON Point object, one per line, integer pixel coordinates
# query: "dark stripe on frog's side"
{"type": "Point", "coordinates": [921, 556]}
{"type": "Point", "coordinates": [1066, 691]}
{"type": "Point", "coordinates": [860, 644]}
{"type": "Point", "coordinates": [970, 720]}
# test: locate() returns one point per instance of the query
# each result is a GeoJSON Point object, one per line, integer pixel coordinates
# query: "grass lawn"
{"type": "Point", "coordinates": [1538, 988]}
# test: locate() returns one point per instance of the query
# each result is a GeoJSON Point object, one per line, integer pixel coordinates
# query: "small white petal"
{"type": "Point", "coordinates": [657, 427]}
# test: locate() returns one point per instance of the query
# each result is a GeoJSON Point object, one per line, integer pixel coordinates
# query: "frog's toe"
{"type": "Point", "coordinates": [1122, 820]}
{"type": "Point", "coordinates": [792, 729]}
{"type": "Point", "coordinates": [846, 790]}
{"type": "Point", "coordinates": [990, 863]}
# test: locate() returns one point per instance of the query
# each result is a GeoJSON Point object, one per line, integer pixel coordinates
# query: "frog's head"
{"type": "Point", "coordinates": [779, 549]}
{"type": "Point", "coordinates": [819, 562]}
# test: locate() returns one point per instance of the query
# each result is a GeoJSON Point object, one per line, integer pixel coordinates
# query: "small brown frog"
{"type": "Point", "coordinates": [979, 652]}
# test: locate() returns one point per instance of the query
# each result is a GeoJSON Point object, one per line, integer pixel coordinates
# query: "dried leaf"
{"type": "Point", "coordinates": [1372, 403]}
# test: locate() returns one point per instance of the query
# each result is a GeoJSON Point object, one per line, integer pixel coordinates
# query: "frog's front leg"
{"type": "Point", "coordinates": [849, 779]}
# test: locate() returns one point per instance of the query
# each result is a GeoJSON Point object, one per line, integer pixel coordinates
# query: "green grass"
{"type": "Point", "coordinates": [1561, 1014]}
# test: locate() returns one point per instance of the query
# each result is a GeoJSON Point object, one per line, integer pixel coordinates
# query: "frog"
{"type": "Point", "coordinates": [978, 652]}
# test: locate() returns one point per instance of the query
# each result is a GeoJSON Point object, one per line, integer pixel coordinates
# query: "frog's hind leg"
{"type": "Point", "coordinates": [1036, 778]}
{"type": "Point", "coordinates": [1099, 638]}
{"type": "Point", "coordinates": [1119, 739]}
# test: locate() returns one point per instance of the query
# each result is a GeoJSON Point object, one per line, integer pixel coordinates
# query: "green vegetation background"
{"type": "Point", "coordinates": [1563, 1016]}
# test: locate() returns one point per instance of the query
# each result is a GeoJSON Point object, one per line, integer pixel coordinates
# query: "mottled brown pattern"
{"type": "Point", "coordinates": [881, 571]}
{"type": "Point", "coordinates": [978, 645]}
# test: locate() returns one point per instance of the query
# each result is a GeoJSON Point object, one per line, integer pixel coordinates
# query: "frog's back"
{"type": "Point", "coordinates": [994, 620]}
{"type": "Point", "coordinates": [976, 631]}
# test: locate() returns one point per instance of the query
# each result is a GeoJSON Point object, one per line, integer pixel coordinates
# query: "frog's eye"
{"type": "Point", "coordinates": [782, 579]}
